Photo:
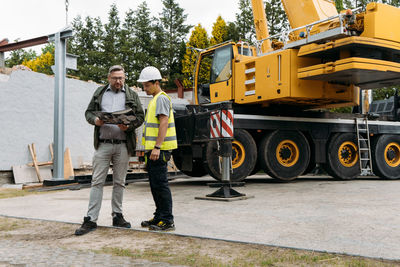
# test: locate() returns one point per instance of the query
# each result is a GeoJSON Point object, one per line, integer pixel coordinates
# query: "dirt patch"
{"type": "Point", "coordinates": [170, 248]}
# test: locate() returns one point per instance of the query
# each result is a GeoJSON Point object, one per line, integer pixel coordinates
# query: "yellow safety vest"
{"type": "Point", "coordinates": [152, 124]}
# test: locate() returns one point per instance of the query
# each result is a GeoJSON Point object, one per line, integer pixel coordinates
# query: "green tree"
{"type": "Point", "coordinates": [199, 40]}
{"type": "Point", "coordinates": [43, 62]}
{"type": "Point", "coordinates": [233, 32]}
{"type": "Point", "coordinates": [219, 32]}
{"type": "Point", "coordinates": [245, 22]}
{"type": "Point", "coordinates": [172, 19]}
{"type": "Point", "coordinates": [137, 44]}
{"type": "Point", "coordinates": [276, 17]}
{"type": "Point", "coordinates": [111, 43]}
{"type": "Point", "coordinates": [16, 57]}
{"type": "Point", "coordinates": [339, 5]}
{"type": "Point", "coordinates": [86, 44]}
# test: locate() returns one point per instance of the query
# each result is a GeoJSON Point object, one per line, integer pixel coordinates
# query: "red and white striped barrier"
{"type": "Point", "coordinates": [221, 124]}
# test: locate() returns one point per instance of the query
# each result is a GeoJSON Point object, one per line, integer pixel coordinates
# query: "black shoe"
{"type": "Point", "coordinates": [119, 221]}
{"type": "Point", "coordinates": [162, 226]}
{"type": "Point", "coordinates": [152, 221]}
{"type": "Point", "coordinates": [86, 227]}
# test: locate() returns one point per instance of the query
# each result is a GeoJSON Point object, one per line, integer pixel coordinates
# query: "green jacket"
{"type": "Point", "coordinates": [132, 101]}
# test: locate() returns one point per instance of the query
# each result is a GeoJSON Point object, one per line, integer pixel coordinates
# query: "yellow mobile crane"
{"type": "Point", "coordinates": [280, 87]}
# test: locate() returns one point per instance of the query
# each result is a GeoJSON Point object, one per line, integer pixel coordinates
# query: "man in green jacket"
{"type": "Point", "coordinates": [113, 143]}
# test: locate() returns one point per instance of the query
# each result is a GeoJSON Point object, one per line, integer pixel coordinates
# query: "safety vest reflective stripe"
{"type": "Point", "coordinates": [152, 124]}
{"type": "Point", "coordinates": [156, 125]}
{"type": "Point", "coordinates": [167, 138]}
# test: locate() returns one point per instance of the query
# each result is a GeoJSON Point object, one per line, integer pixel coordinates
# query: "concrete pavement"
{"type": "Point", "coordinates": [359, 217]}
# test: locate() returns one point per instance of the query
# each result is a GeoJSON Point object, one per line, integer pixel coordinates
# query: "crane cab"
{"type": "Point", "coordinates": [214, 71]}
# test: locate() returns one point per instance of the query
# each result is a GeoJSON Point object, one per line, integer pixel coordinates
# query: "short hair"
{"type": "Point", "coordinates": [115, 68]}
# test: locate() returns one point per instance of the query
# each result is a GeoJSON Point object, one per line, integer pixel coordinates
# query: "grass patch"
{"type": "Point", "coordinates": [163, 255]}
{"type": "Point", "coordinates": [243, 255]}
{"type": "Point", "coordinates": [7, 224]}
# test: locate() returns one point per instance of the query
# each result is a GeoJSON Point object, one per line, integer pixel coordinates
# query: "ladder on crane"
{"type": "Point", "coordinates": [364, 145]}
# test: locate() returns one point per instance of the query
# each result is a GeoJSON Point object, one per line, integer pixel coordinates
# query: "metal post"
{"type": "Point", "coordinates": [59, 39]}
{"type": "Point", "coordinates": [226, 154]}
{"type": "Point", "coordinates": [2, 60]}
{"type": "Point", "coordinates": [59, 104]}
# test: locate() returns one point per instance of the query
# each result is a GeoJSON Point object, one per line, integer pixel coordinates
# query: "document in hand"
{"type": "Point", "coordinates": [126, 117]}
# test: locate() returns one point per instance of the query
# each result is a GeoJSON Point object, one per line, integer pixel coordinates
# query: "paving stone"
{"type": "Point", "coordinates": [20, 253]}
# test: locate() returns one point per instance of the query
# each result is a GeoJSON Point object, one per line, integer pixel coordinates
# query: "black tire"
{"type": "Point", "coordinates": [198, 169]}
{"type": "Point", "coordinates": [244, 157]}
{"type": "Point", "coordinates": [347, 165]}
{"type": "Point", "coordinates": [284, 155]}
{"type": "Point", "coordinates": [385, 152]}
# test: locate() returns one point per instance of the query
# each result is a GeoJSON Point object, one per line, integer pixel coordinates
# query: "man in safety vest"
{"type": "Point", "coordinates": [159, 138]}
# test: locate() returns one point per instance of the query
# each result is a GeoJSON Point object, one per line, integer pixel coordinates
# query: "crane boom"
{"type": "Point", "coordinates": [261, 25]}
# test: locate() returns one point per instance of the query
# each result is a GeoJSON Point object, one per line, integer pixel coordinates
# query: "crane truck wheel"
{"type": "Point", "coordinates": [244, 156]}
{"type": "Point", "coordinates": [342, 156]}
{"type": "Point", "coordinates": [386, 156]}
{"type": "Point", "coordinates": [197, 164]}
{"type": "Point", "coordinates": [284, 155]}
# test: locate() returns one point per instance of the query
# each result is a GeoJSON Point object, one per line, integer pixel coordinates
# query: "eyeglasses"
{"type": "Point", "coordinates": [117, 78]}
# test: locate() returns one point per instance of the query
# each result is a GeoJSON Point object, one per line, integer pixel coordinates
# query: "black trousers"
{"type": "Point", "coordinates": [157, 170]}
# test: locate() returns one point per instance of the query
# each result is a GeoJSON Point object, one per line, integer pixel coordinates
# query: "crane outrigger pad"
{"type": "Point", "coordinates": [363, 72]}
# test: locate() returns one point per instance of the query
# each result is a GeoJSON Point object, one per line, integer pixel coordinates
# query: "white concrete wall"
{"type": "Point", "coordinates": [26, 116]}
{"type": "Point", "coordinates": [26, 110]}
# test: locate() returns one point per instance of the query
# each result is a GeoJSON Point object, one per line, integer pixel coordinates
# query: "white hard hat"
{"type": "Point", "coordinates": [149, 74]}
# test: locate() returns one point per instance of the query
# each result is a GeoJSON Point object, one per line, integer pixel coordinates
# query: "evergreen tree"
{"type": "Point", "coordinates": [129, 46]}
{"type": "Point", "coordinates": [245, 22]}
{"type": "Point", "coordinates": [158, 44]}
{"type": "Point", "coordinates": [219, 32]}
{"type": "Point", "coordinates": [339, 5]}
{"type": "Point", "coordinates": [137, 44]}
{"type": "Point", "coordinates": [86, 44]}
{"type": "Point", "coordinates": [111, 43]}
{"type": "Point", "coordinates": [198, 39]}
{"type": "Point", "coordinates": [233, 32]}
{"type": "Point", "coordinates": [276, 17]}
{"type": "Point", "coordinates": [172, 19]}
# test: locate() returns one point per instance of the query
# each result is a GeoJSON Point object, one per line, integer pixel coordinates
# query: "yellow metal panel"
{"type": "Point", "coordinates": [276, 81]}
{"type": "Point", "coordinates": [353, 63]}
{"type": "Point", "coordinates": [381, 21]}
{"type": "Point", "coordinates": [310, 49]}
{"type": "Point", "coordinates": [304, 12]}
{"type": "Point", "coordinates": [221, 91]}
{"type": "Point", "coordinates": [263, 79]}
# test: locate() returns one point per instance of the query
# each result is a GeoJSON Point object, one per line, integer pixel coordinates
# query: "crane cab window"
{"type": "Point", "coordinates": [221, 69]}
{"type": "Point", "coordinates": [215, 67]}
{"type": "Point", "coordinates": [203, 79]}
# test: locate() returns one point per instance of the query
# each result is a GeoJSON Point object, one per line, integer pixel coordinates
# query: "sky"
{"type": "Point", "coordinates": [25, 19]}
